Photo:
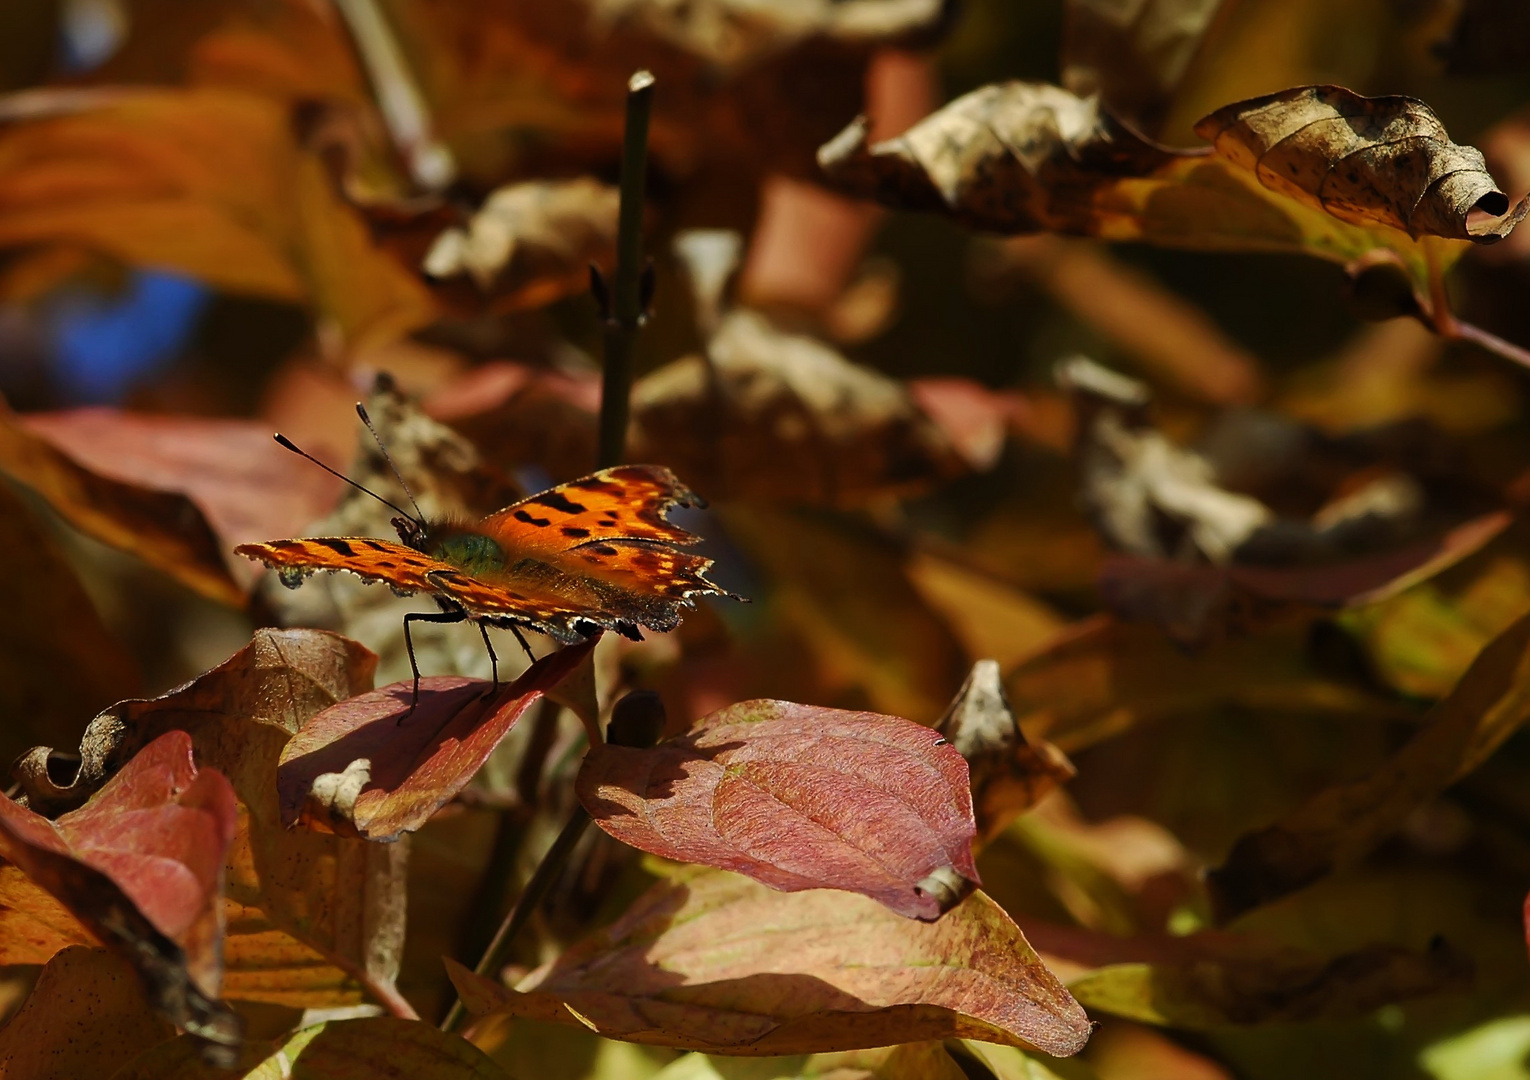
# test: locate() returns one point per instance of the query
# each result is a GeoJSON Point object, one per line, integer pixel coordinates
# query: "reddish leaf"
{"type": "Point", "coordinates": [365, 764]}
{"type": "Point", "coordinates": [141, 865]}
{"type": "Point", "coordinates": [165, 530]}
{"type": "Point", "coordinates": [228, 468]}
{"type": "Point", "coordinates": [712, 961]}
{"type": "Point", "coordinates": [799, 797]}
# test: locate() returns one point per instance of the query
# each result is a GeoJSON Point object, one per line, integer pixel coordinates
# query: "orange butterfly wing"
{"type": "Point", "coordinates": [604, 544]}
{"type": "Point", "coordinates": [594, 553]}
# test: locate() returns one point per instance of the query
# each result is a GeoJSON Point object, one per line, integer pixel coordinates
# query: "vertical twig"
{"type": "Point", "coordinates": [625, 303]}
{"type": "Point", "coordinates": [623, 311]}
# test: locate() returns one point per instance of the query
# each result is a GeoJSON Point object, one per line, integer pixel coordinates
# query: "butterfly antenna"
{"type": "Point", "coordinates": [361, 411]}
{"type": "Point", "coordinates": [290, 445]}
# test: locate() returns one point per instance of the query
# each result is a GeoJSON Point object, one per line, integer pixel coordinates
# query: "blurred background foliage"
{"type": "Point", "coordinates": [220, 213]}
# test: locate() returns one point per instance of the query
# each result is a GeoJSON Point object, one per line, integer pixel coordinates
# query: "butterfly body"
{"type": "Point", "coordinates": [598, 553]}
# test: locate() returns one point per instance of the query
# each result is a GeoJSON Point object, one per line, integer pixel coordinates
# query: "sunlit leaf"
{"type": "Point", "coordinates": [798, 797]}
{"type": "Point", "coordinates": [717, 962]}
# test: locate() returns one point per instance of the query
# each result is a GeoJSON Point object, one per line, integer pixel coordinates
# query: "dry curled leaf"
{"type": "Point", "coordinates": [372, 766]}
{"type": "Point", "coordinates": [1027, 157]}
{"type": "Point", "coordinates": [1341, 824]}
{"type": "Point", "coordinates": [313, 918]}
{"type": "Point", "coordinates": [1369, 161]}
{"type": "Point", "coordinates": [1009, 773]}
{"type": "Point", "coordinates": [717, 962]}
{"type": "Point", "coordinates": [530, 242]}
{"type": "Point", "coordinates": [141, 866]}
{"type": "Point", "coordinates": [798, 797]}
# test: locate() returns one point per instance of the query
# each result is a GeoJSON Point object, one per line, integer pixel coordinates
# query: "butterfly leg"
{"type": "Point", "coordinates": [428, 617]}
{"type": "Point", "coordinates": [493, 660]}
{"type": "Point", "coordinates": [517, 632]}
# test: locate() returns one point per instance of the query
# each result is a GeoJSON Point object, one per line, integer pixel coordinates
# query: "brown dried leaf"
{"type": "Point", "coordinates": [1009, 774]}
{"type": "Point", "coordinates": [1341, 824]}
{"type": "Point", "coordinates": [312, 917]}
{"type": "Point", "coordinates": [703, 962]}
{"type": "Point", "coordinates": [165, 529]}
{"type": "Point", "coordinates": [1027, 157]}
{"type": "Point", "coordinates": [1368, 161]}
{"type": "Point", "coordinates": [141, 866]}
{"type": "Point", "coordinates": [768, 415]}
{"type": "Point", "coordinates": [373, 767]}
{"type": "Point", "coordinates": [530, 243]}
{"type": "Point", "coordinates": [85, 1015]}
{"type": "Point", "coordinates": [798, 797]}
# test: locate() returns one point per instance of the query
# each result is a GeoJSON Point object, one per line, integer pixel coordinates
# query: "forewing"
{"type": "Point", "coordinates": [372, 560]}
{"type": "Point", "coordinates": [629, 502]}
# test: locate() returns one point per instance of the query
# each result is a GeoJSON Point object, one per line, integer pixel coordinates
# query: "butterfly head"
{"type": "Point", "coordinates": [411, 532]}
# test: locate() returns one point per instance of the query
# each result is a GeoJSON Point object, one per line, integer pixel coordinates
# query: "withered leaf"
{"type": "Point", "coordinates": [313, 918]}
{"type": "Point", "coordinates": [1341, 824]}
{"type": "Point", "coordinates": [717, 962]}
{"type": "Point", "coordinates": [1027, 157]}
{"type": "Point", "coordinates": [532, 242]}
{"type": "Point", "coordinates": [378, 770]}
{"type": "Point", "coordinates": [1009, 773]}
{"type": "Point", "coordinates": [86, 1013]}
{"type": "Point", "coordinates": [164, 528]}
{"type": "Point", "coordinates": [225, 467]}
{"type": "Point", "coordinates": [798, 797]}
{"type": "Point", "coordinates": [141, 866]}
{"type": "Point", "coordinates": [1369, 161]}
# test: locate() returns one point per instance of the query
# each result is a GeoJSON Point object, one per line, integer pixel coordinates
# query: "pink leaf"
{"type": "Point", "coordinates": [799, 797]}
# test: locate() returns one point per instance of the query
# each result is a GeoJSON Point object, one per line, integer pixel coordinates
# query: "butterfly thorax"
{"type": "Point", "coordinates": [472, 552]}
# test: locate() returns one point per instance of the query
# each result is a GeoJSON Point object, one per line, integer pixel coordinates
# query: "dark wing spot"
{"type": "Point", "coordinates": [558, 501]}
{"type": "Point", "coordinates": [594, 483]}
{"type": "Point", "coordinates": [386, 564]}
{"type": "Point", "coordinates": [603, 549]}
{"type": "Point", "coordinates": [541, 523]}
{"type": "Point", "coordinates": [647, 560]}
{"type": "Point", "coordinates": [574, 532]}
{"type": "Point", "coordinates": [607, 523]}
{"type": "Point", "coordinates": [376, 545]}
{"type": "Point", "coordinates": [339, 547]}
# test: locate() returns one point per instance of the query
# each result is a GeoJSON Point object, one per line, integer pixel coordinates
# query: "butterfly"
{"type": "Point", "coordinates": [595, 554]}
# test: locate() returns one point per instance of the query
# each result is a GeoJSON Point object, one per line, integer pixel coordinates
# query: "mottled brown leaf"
{"type": "Point", "coordinates": [1368, 161]}
{"type": "Point", "coordinates": [1028, 157]}
{"type": "Point", "coordinates": [1342, 823]}
{"type": "Point", "coordinates": [371, 765]}
{"type": "Point", "coordinates": [85, 1015]}
{"type": "Point", "coordinates": [798, 797]}
{"type": "Point", "coordinates": [717, 962]}
{"type": "Point", "coordinates": [530, 243]}
{"type": "Point", "coordinates": [141, 866]}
